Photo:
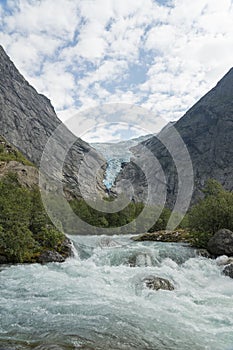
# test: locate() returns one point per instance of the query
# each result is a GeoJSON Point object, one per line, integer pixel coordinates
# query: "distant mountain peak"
{"type": "Point", "coordinates": [207, 132]}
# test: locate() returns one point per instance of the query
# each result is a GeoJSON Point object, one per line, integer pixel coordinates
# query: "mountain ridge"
{"type": "Point", "coordinates": [207, 131]}
{"type": "Point", "coordinates": [28, 120]}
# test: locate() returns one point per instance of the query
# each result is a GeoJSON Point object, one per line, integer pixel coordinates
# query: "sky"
{"type": "Point", "coordinates": [159, 55]}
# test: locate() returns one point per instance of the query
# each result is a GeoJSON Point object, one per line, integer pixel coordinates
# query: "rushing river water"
{"type": "Point", "coordinates": [96, 300]}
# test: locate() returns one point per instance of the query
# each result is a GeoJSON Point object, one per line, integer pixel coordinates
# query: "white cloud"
{"type": "Point", "coordinates": [57, 18]}
{"type": "Point", "coordinates": [112, 133]}
{"type": "Point", "coordinates": [91, 44]}
{"type": "Point", "coordinates": [57, 84]}
{"type": "Point", "coordinates": [108, 71]}
{"type": "Point", "coordinates": [161, 38]}
{"type": "Point", "coordinates": [85, 53]}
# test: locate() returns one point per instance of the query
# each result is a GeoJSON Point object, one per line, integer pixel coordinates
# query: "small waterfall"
{"type": "Point", "coordinates": [144, 260]}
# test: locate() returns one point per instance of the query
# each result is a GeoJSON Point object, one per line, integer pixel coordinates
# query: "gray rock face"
{"type": "Point", "coordinates": [27, 120]}
{"type": "Point", "coordinates": [107, 242]}
{"type": "Point", "coordinates": [67, 248]}
{"type": "Point", "coordinates": [156, 283]}
{"type": "Point", "coordinates": [27, 175]}
{"type": "Point", "coordinates": [207, 131]}
{"type": "Point", "coordinates": [228, 271]}
{"type": "Point", "coordinates": [50, 256]}
{"type": "Point", "coordinates": [221, 243]}
{"type": "Point", "coordinates": [65, 251]}
{"type": "Point", "coordinates": [204, 253]}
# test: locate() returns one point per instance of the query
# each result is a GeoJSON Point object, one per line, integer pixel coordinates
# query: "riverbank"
{"type": "Point", "coordinates": [177, 236]}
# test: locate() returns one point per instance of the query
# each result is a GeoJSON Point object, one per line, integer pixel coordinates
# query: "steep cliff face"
{"type": "Point", "coordinates": [207, 132]}
{"type": "Point", "coordinates": [12, 161]}
{"type": "Point", "coordinates": [27, 120]}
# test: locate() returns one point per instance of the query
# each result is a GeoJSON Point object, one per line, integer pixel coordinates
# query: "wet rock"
{"type": "Point", "coordinates": [164, 236]}
{"type": "Point", "coordinates": [221, 243]}
{"type": "Point", "coordinates": [107, 242]}
{"type": "Point", "coordinates": [48, 347]}
{"type": "Point", "coordinates": [228, 270]}
{"type": "Point", "coordinates": [156, 283]}
{"type": "Point", "coordinates": [224, 260]}
{"type": "Point", "coordinates": [3, 260]}
{"type": "Point", "coordinates": [63, 251]}
{"type": "Point", "coordinates": [66, 248]}
{"type": "Point", "coordinates": [50, 256]}
{"type": "Point", "coordinates": [204, 253]}
{"type": "Point", "coordinates": [141, 259]}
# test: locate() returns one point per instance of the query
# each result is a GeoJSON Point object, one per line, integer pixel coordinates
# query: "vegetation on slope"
{"type": "Point", "coordinates": [212, 213]}
{"type": "Point", "coordinates": [25, 228]}
{"type": "Point", "coordinates": [9, 153]}
{"type": "Point", "coordinates": [117, 220]}
{"type": "Point", "coordinates": [26, 232]}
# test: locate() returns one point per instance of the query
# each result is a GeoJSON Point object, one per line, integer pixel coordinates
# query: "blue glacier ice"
{"type": "Point", "coordinates": [116, 154]}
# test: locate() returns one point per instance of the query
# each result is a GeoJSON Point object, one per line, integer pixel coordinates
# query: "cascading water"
{"type": "Point", "coordinates": [96, 300]}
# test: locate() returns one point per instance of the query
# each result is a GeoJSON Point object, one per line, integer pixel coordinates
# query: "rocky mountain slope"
{"type": "Point", "coordinates": [27, 120]}
{"type": "Point", "coordinates": [207, 131]}
{"type": "Point", "coordinates": [12, 161]}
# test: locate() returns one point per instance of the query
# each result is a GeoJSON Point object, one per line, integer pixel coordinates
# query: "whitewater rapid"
{"type": "Point", "coordinates": [96, 300]}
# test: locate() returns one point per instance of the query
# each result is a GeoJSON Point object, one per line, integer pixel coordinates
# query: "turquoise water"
{"type": "Point", "coordinates": [96, 300]}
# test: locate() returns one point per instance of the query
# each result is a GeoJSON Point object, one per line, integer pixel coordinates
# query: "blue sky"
{"type": "Point", "coordinates": [160, 55]}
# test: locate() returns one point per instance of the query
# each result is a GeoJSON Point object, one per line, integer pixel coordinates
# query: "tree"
{"type": "Point", "coordinates": [18, 243]}
{"type": "Point", "coordinates": [212, 213]}
{"type": "Point", "coordinates": [25, 228]}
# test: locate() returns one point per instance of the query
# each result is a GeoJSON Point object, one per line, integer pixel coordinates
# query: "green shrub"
{"type": "Point", "coordinates": [162, 221]}
{"type": "Point", "coordinates": [17, 243]}
{"type": "Point", "coordinates": [26, 230]}
{"type": "Point", "coordinates": [212, 213]}
{"type": "Point", "coordinates": [9, 153]}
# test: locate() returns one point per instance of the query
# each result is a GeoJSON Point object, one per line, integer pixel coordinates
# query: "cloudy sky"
{"type": "Point", "coordinates": [161, 55]}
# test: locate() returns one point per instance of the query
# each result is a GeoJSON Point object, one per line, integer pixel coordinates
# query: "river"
{"type": "Point", "coordinates": [96, 300]}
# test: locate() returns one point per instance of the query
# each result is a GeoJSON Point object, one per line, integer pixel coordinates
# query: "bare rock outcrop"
{"type": "Point", "coordinates": [207, 132]}
{"type": "Point", "coordinates": [27, 120]}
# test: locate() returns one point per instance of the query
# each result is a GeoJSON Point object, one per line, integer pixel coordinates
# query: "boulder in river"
{"type": "Point", "coordinates": [156, 283]}
{"type": "Point", "coordinates": [221, 243]}
{"type": "Point", "coordinates": [3, 260]}
{"type": "Point", "coordinates": [228, 270]}
{"type": "Point", "coordinates": [204, 253]}
{"type": "Point", "coordinates": [66, 248]}
{"type": "Point", "coordinates": [108, 242]}
{"type": "Point", "coordinates": [50, 256]}
{"type": "Point", "coordinates": [178, 236]}
{"type": "Point", "coordinates": [224, 260]}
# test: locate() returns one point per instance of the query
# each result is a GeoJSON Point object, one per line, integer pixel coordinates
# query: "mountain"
{"type": "Point", "coordinates": [27, 120]}
{"type": "Point", "coordinates": [207, 132]}
{"type": "Point", "coordinates": [12, 161]}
